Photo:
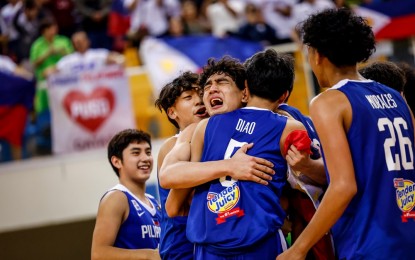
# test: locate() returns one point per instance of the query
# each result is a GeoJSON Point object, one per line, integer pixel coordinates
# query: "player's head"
{"type": "Point", "coordinates": [409, 88]}
{"type": "Point", "coordinates": [130, 149]}
{"type": "Point", "coordinates": [181, 100]}
{"type": "Point", "coordinates": [339, 36]}
{"type": "Point", "coordinates": [222, 82]}
{"type": "Point", "coordinates": [385, 72]}
{"type": "Point", "coordinates": [270, 75]}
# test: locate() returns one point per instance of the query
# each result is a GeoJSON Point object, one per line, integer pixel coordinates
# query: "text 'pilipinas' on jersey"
{"type": "Point", "coordinates": [379, 223]}
{"type": "Point", "coordinates": [228, 215]}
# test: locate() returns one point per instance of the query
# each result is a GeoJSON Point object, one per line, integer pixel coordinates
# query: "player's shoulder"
{"type": "Point", "coordinates": [330, 98]}
{"type": "Point", "coordinates": [293, 124]}
{"type": "Point", "coordinates": [113, 198]}
{"type": "Point", "coordinates": [187, 133]}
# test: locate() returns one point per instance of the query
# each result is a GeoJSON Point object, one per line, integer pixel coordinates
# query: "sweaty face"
{"type": "Point", "coordinates": [137, 162]}
{"type": "Point", "coordinates": [221, 94]}
{"type": "Point", "coordinates": [188, 108]}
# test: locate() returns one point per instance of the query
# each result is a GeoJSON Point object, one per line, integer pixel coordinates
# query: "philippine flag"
{"type": "Point", "coordinates": [393, 19]}
{"type": "Point", "coordinates": [165, 58]}
{"type": "Point", "coordinates": [16, 101]}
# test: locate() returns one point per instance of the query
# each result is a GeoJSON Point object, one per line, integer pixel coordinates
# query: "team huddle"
{"type": "Point", "coordinates": [246, 169]}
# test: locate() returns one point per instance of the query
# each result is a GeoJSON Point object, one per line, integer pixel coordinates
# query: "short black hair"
{"type": "Point", "coordinates": [46, 23]}
{"type": "Point", "coordinates": [226, 65]}
{"type": "Point", "coordinates": [341, 36]}
{"type": "Point", "coordinates": [385, 72]}
{"type": "Point", "coordinates": [171, 91]}
{"type": "Point", "coordinates": [121, 140]}
{"type": "Point", "coordinates": [270, 74]}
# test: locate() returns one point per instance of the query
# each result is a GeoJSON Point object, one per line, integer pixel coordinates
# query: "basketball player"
{"type": "Point", "coordinates": [230, 217]}
{"type": "Point", "coordinates": [127, 224]}
{"type": "Point", "coordinates": [181, 102]}
{"type": "Point", "coordinates": [367, 136]}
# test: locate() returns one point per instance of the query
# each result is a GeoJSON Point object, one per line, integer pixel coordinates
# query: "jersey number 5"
{"type": "Point", "coordinates": [395, 161]}
{"type": "Point", "coordinates": [230, 150]}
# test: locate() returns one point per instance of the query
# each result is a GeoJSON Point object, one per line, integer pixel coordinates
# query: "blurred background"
{"type": "Point", "coordinates": [75, 72]}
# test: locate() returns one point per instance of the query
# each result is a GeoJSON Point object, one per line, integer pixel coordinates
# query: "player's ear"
{"type": "Point", "coordinates": [117, 162]}
{"type": "Point", "coordinates": [171, 113]}
{"type": "Point", "coordinates": [283, 97]}
{"type": "Point", "coordinates": [245, 93]}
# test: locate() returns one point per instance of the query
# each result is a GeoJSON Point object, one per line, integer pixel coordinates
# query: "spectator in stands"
{"type": "Point", "coordinates": [94, 20]}
{"type": "Point", "coordinates": [86, 58]}
{"type": "Point", "coordinates": [192, 22]}
{"type": "Point", "coordinates": [278, 14]}
{"type": "Point", "coordinates": [176, 27]}
{"type": "Point", "coordinates": [7, 14]}
{"type": "Point", "coordinates": [64, 13]}
{"type": "Point", "coordinates": [255, 29]}
{"type": "Point", "coordinates": [26, 23]}
{"type": "Point", "coordinates": [409, 88]}
{"type": "Point", "coordinates": [150, 17]}
{"type": "Point", "coordinates": [45, 52]}
{"type": "Point", "coordinates": [225, 16]}
{"type": "Point", "coordinates": [301, 11]}
{"type": "Point", "coordinates": [385, 72]}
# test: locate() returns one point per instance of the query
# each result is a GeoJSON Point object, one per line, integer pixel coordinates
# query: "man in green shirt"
{"type": "Point", "coordinates": [45, 52]}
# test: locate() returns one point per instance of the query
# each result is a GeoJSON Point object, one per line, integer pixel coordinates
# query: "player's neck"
{"type": "Point", "coordinates": [255, 101]}
{"type": "Point", "coordinates": [138, 189]}
{"type": "Point", "coordinates": [340, 74]}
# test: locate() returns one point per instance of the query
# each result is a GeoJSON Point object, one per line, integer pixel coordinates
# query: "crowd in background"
{"type": "Point", "coordinates": [36, 34]}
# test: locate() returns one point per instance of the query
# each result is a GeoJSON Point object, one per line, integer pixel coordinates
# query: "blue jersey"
{"type": "Point", "coordinates": [141, 229]}
{"type": "Point", "coordinates": [379, 222]}
{"type": "Point", "coordinates": [228, 216]}
{"type": "Point", "coordinates": [309, 126]}
{"type": "Point", "coordinates": [173, 241]}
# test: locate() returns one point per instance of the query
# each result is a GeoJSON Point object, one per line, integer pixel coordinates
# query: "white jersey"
{"type": "Point", "coordinates": [6, 64]}
{"type": "Point", "coordinates": [92, 59]}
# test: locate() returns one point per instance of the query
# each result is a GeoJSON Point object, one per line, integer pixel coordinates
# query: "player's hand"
{"type": "Point", "coordinates": [298, 160]}
{"type": "Point", "coordinates": [248, 168]}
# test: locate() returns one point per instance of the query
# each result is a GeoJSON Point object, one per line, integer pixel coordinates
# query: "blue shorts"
{"type": "Point", "coordinates": [266, 249]}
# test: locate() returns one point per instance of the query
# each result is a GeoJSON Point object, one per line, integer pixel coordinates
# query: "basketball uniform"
{"type": "Point", "coordinates": [379, 222]}
{"type": "Point", "coordinates": [231, 219]}
{"type": "Point", "coordinates": [173, 241]}
{"type": "Point", "coordinates": [141, 229]}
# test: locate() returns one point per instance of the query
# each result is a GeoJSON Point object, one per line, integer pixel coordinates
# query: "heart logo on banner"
{"type": "Point", "coordinates": [89, 110]}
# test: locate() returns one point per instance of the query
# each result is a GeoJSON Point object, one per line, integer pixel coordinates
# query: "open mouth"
{"type": "Point", "coordinates": [216, 102]}
{"type": "Point", "coordinates": [201, 112]}
{"type": "Point", "coordinates": [144, 167]}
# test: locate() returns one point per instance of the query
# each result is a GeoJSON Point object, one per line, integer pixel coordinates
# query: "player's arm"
{"type": "Point", "coordinates": [313, 170]}
{"type": "Point", "coordinates": [329, 109]}
{"type": "Point", "coordinates": [177, 172]}
{"type": "Point", "coordinates": [112, 212]}
{"type": "Point", "coordinates": [177, 203]}
{"type": "Point", "coordinates": [165, 148]}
